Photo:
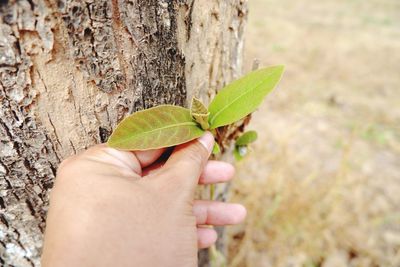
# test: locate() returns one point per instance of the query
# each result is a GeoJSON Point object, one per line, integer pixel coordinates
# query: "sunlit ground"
{"type": "Point", "coordinates": [322, 184]}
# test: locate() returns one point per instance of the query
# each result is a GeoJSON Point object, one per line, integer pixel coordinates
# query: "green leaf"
{"type": "Point", "coordinates": [216, 149]}
{"type": "Point", "coordinates": [246, 138]}
{"type": "Point", "coordinates": [198, 107]}
{"type": "Point", "coordinates": [200, 113]}
{"type": "Point", "coordinates": [243, 96]}
{"type": "Point", "coordinates": [157, 127]}
{"type": "Point", "coordinates": [240, 152]}
{"type": "Point", "coordinates": [237, 155]}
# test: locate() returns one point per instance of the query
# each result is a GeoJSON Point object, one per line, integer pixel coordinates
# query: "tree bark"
{"type": "Point", "coordinates": [71, 70]}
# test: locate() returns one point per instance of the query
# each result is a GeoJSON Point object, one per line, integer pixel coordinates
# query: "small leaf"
{"type": "Point", "coordinates": [246, 138]}
{"type": "Point", "coordinates": [200, 113]}
{"type": "Point", "coordinates": [216, 149]}
{"type": "Point", "coordinates": [243, 96]}
{"type": "Point", "coordinates": [236, 154]}
{"type": "Point", "coordinates": [202, 120]}
{"type": "Point", "coordinates": [240, 152]}
{"type": "Point", "coordinates": [157, 127]}
{"type": "Point", "coordinates": [198, 107]}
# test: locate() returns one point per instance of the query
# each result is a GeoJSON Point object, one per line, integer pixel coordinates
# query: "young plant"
{"type": "Point", "coordinates": [167, 125]}
{"type": "Point", "coordinates": [242, 143]}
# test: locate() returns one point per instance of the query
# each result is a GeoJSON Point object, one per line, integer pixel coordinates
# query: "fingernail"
{"type": "Point", "coordinates": [207, 140]}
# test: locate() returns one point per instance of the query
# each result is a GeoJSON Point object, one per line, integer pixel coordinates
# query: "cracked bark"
{"type": "Point", "coordinates": [71, 70]}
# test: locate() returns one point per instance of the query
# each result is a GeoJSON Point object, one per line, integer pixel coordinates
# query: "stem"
{"type": "Point", "coordinates": [212, 191]}
{"type": "Point", "coordinates": [213, 255]}
{"type": "Point", "coordinates": [212, 251]}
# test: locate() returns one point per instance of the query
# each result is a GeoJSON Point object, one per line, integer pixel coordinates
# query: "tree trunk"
{"type": "Point", "coordinates": [71, 70]}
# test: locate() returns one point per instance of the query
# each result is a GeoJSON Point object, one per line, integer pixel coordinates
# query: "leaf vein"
{"type": "Point", "coordinates": [145, 133]}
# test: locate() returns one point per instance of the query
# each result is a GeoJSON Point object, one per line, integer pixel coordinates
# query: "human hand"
{"type": "Point", "coordinates": [118, 208]}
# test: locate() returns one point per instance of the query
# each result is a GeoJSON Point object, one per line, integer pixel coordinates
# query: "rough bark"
{"type": "Point", "coordinates": [71, 70]}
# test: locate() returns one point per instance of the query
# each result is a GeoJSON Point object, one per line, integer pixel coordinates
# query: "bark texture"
{"type": "Point", "coordinates": [70, 70]}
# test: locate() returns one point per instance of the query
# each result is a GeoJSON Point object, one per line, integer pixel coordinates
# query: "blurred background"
{"type": "Point", "coordinates": [322, 184]}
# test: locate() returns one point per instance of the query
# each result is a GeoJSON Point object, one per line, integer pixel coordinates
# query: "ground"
{"type": "Point", "coordinates": [322, 184]}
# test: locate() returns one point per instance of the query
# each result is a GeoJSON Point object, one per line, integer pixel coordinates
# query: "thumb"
{"type": "Point", "coordinates": [187, 161]}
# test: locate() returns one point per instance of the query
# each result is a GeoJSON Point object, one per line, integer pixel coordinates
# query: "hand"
{"type": "Point", "coordinates": [119, 208]}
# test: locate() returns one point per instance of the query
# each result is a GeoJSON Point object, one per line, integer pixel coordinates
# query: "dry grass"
{"type": "Point", "coordinates": [322, 185]}
{"type": "Point", "coordinates": [310, 221]}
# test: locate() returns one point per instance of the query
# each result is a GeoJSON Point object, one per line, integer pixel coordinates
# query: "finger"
{"type": "Point", "coordinates": [216, 172]}
{"type": "Point", "coordinates": [148, 157]}
{"type": "Point", "coordinates": [153, 168]}
{"type": "Point", "coordinates": [218, 213]}
{"type": "Point", "coordinates": [157, 165]}
{"type": "Point", "coordinates": [213, 172]}
{"type": "Point", "coordinates": [124, 159]}
{"type": "Point", "coordinates": [187, 161]}
{"type": "Point", "coordinates": [206, 237]}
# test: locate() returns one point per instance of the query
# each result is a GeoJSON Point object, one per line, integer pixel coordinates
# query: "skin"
{"type": "Point", "coordinates": [120, 208]}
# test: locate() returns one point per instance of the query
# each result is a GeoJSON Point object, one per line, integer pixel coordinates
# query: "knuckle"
{"type": "Point", "coordinates": [196, 154]}
{"type": "Point", "coordinates": [66, 163]}
{"type": "Point", "coordinates": [67, 168]}
{"type": "Point", "coordinates": [192, 158]}
{"type": "Point", "coordinates": [96, 148]}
